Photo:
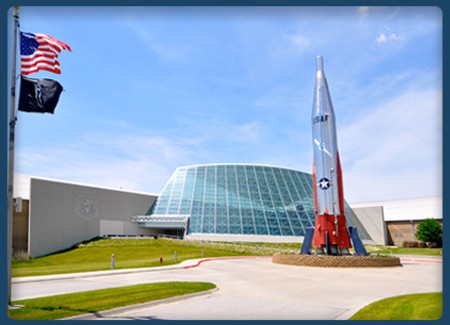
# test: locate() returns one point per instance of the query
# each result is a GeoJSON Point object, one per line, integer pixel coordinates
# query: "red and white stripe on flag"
{"type": "Point", "coordinates": [40, 52]}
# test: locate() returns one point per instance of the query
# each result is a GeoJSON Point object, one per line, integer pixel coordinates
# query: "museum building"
{"type": "Point", "coordinates": [248, 200]}
{"type": "Point", "coordinates": [218, 202]}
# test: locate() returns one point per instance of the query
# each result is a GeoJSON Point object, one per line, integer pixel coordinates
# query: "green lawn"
{"type": "Point", "coordinates": [95, 255]}
{"type": "Point", "coordinates": [426, 306]}
{"type": "Point", "coordinates": [386, 250]}
{"type": "Point", "coordinates": [61, 306]}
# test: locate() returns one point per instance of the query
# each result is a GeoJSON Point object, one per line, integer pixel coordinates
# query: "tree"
{"type": "Point", "coordinates": [430, 231]}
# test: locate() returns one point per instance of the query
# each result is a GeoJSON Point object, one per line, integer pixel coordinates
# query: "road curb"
{"type": "Point", "coordinates": [222, 258]}
{"type": "Point", "coordinates": [39, 278]}
{"type": "Point", "coordinates": [106, 313]}
{"type": "Point", "coordinates": [183, 265]}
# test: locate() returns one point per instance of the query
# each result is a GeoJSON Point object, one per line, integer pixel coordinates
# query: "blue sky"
{"type": "Point", "coordinates": [148, 89]}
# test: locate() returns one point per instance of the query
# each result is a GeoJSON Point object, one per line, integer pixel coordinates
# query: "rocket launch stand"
{"type": "Point", "coordinates": [333, 249]}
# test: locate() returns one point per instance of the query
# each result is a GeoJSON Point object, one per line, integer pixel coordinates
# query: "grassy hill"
{"type": "Point", "coordinates": [95, 255]}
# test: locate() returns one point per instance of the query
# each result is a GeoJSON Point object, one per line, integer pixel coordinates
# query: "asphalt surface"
{"type": "Point", "coordinates": [249, 289]}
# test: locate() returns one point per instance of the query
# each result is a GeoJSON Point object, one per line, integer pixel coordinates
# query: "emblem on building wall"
{"type": "Point", "coordinates": [87, 207]}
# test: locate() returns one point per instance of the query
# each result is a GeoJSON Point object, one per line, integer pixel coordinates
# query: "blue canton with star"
{"type": "Point", "coordinates": [28, 43]}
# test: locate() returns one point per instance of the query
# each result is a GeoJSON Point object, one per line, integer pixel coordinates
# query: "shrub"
{"type": "Point", "coordinates": [430, 231]}
{"type": "Point", "coordinates": [414, 244]}
{"type": "Point", "coordinates": [417, 244]}
{"type": "Point", "coordinates": [433, 245]}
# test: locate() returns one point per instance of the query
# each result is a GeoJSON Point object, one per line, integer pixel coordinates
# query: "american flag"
{"type": "Point", "coordinates": [40, 52]}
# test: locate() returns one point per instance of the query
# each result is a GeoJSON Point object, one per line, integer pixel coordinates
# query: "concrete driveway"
{"type": "Point", "coordinates": [250, 288]}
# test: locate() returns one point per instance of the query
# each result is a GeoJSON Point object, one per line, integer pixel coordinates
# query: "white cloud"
{"type": "Point", "coordinates": [395, 151]}
{"type": "Point", "coordinates": [299, 40]}
{"type": "Point", "coordinates": [381, 38]}
{"type": "Point", "coordinates": [166, 49]}
{"type": "Point", "coordinates": [291, 45]}
{"type": "Point", "coordinates": [172, 52]}
{"type": "Point", "coordinates": [248, 132]}
{"type": "Point", "coordinates": [135, 161]}
{"type": "Point", "coordinates": [388, 37]}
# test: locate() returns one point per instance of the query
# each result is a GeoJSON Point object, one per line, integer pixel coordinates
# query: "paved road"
{"type": "Point", "coordinates": [253, 288]}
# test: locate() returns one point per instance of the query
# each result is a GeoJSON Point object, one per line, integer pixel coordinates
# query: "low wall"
{"type": "Point", "coordinates": [336, 261]}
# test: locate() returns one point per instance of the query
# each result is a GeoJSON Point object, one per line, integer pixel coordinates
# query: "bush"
{"type": "Point", "coordinates": [430, 231]}
{"type": "Point", "coordinates": [433, 245]}
{"type": "Point", "coordinates": [410, 244]}
{"type": "Point", "coordinates": [414, 244]}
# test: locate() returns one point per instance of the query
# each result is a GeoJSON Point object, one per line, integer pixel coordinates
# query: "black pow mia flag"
{"type": "Point", "coordinates": [39, 95]}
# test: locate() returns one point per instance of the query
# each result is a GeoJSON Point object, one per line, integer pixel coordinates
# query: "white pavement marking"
{"type": "Point", "coordinates": [257, 289]}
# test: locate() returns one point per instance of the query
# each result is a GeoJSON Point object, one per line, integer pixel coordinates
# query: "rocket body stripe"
{"type": "Point", "coordinates": [327, 172]}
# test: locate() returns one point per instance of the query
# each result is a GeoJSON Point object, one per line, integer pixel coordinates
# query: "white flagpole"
{"type": "Point", "coordinates": [12, 126]}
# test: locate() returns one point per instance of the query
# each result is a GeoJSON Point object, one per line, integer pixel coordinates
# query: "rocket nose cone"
{"type": "Point", "coordinates": [319, 63]}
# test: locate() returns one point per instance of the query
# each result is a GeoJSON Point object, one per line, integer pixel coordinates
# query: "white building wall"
{"type": "Point", "coordinates": [21, 186]}
{"type": "Point", "coordinates": [373, 221]}
{"type": "Point", "coordinates": [63, 214]}
{"type": "Point", "coordinates": [408, 209]}
{"type": "Point", "coordinates": [375, 214]}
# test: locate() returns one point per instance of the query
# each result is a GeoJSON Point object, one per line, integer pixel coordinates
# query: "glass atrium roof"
{"type": "Point", "coordinates": [242, 199]}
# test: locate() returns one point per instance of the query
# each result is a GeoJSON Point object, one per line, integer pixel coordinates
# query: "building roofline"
{"type": "Point", "coordinates": [84, 184]}
{"type": "Point", "coordinates": [242, 164]}
{"type": "Point", "coordinates": [381, 202]}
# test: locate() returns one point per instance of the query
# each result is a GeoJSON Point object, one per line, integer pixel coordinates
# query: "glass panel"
{"type": "Point", "coordinates": [243, 199]}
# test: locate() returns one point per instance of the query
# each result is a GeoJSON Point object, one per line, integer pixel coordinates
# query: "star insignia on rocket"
{"type": "Point", "coordinates": [324, 183]}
